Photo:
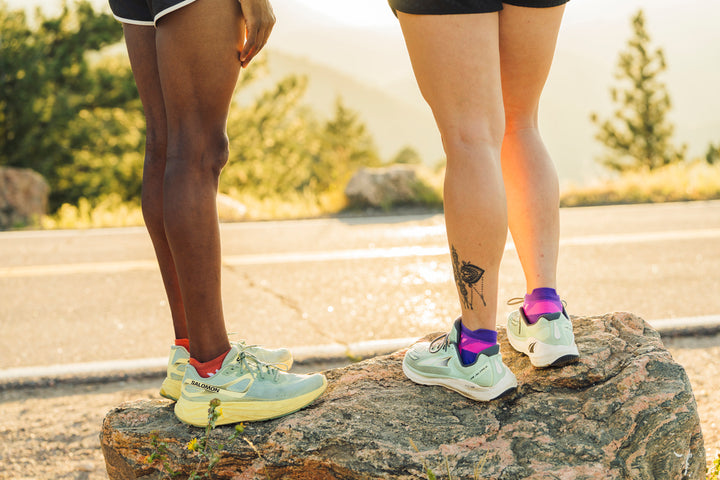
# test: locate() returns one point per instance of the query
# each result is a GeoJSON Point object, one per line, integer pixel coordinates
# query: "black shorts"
{"type": "Point", "coordinates": [144, 12]}
{"type": "Point", "coordinates": [456, 7]}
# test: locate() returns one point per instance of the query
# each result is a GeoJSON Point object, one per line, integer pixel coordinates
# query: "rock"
{"type": "Point", "coordinates": [23, 196]}
{"type": "Point", "coordinates": [229, 209]}
{"type": "Point", "coordinates": [624, 411]}
{"type": "Point", "coordinates": [382, 187]}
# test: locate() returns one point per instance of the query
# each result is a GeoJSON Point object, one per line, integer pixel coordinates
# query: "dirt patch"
{"type": "Point", "coordinates": [53, 433]}
{"type": "Point", "coordinates": [700, 356]}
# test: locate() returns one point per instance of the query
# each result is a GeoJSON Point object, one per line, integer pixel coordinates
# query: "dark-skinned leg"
{"type": "Point", "coordinates": [140, 42]}
{"type": "Point", "coordinates": [198, 64]}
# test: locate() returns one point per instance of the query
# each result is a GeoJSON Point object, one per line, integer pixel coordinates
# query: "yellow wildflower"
{"type": "Point", "coordinates": [192, 445]}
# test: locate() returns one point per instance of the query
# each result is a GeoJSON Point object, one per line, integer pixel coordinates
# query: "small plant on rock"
{"type": "Point", "coordinates": [714, 472]}
{"type": "Point", "coordinates": [208, 452]}
{"type": "Point", "coordinates": [160, 455]}
{"type": "Point", "coordinates": [431, 475]}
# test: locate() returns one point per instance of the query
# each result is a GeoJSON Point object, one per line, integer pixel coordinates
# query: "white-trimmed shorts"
{"type": "Point", "coordinates": [144, 12]}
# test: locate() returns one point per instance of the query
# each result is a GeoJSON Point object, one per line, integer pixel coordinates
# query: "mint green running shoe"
{"type": "Point", "coordinates": [177, 362]}
{"type": "Point", "coordinates": [549, 343]}
{"type": "Point", "coordinates": [248, 390]}
{"type": "Point", "coordinates": [179, 358]}
{"type": "Point", "coordinates": [438, 363]}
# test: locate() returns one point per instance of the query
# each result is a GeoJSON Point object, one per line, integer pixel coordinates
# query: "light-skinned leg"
{"type": "Point", "coordinates": [527, 44]}
{"type": "Point", "coordinates": [456, 60]}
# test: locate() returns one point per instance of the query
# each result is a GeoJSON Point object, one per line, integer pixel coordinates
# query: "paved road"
{"type": "Point", "coordinates": [81, 296]}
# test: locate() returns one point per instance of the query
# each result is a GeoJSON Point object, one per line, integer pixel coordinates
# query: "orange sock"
{"type": "Point", "coordinates": [183, 342]}
{"type": "Point", "coordinates": [208, 369]}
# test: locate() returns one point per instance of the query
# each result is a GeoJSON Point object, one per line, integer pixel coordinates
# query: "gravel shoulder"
{"type": "Point", "coordinates": [52, 433]}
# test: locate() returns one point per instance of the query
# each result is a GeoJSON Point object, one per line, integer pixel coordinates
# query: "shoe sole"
{"type": "Point", "coordinates": [465, 388]}
{"type": "Point", "coordinates": [196, 413]}
{"type": "Point", "coordinates": [545, 355]}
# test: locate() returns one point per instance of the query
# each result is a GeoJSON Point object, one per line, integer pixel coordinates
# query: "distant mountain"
{"type": "Point", "coordinates": [591, 37]}
{"type": "Point", "coordinates": [393, 122]}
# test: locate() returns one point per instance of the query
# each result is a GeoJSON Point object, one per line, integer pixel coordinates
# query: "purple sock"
{"type": "Point", "coordinates": [473, 342]}
{"type": "Point", "coordinates": [540, 302]}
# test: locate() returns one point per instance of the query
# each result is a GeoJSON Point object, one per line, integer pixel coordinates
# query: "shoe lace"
{"type": "Point", "coordinates": [516, 301]}
{"type": "Point", "coordinates": [241, 344]}
{"type": "Point", "coordinates": [521, 300]}
{"type": "Point", "coordinates": [440, 343]}
{"type": "Point", "coordinates": [248, 362]}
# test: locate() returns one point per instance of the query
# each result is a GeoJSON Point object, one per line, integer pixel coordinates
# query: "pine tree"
{"type": "Point", "coordinates": [639, 135]}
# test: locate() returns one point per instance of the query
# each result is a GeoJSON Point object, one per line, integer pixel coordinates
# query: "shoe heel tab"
{"type": "Point", "coordinates": [490, 351]}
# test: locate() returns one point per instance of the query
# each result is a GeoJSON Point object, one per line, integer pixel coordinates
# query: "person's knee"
{"type": "Point", "coordinates": [520, 118]}
{"type": "Point", "coordinates": [217, 152]}
{"type": "Point", "coordinates": [467, 138]}
{"type": "Point", "coordinates": [200, 156]}
{"type": "Point", "coordinates": [155, 147]}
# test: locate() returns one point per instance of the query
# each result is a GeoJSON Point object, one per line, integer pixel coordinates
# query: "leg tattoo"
{"type": "Point", "coordinates": [467, 276]}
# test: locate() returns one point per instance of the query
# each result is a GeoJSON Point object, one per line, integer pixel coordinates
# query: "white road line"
{"type": "Point", "coordinates": [336, 255]}
{"type": "Point", "coordinates": [626, 238]}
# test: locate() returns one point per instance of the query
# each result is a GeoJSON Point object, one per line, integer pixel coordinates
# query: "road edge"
{"type": "Point", "coordinates": [308, 358]}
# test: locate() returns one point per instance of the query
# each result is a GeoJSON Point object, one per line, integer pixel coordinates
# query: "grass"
{"type": "Point", "coordinates": [674, 183]}
{"type": "Point", "coordinates": [680, 182]}
{"type": "Point", "coordinates": [109, 211]}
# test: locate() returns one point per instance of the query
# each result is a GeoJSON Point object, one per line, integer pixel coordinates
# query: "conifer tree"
{"type": "Point", "coordinates": [712, 156]}
{"type": "Point", "coordinates": [639, 135]}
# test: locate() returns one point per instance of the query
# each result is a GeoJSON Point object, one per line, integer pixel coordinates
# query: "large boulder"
{"type": "Point", "coordinates": [23, 196]}
{"type": "Point", "coordinates": [624, 411]}
{"type": "Point", "coordinates": [229, 209]}
{"type": "Point", "coordinates": [382, 187]}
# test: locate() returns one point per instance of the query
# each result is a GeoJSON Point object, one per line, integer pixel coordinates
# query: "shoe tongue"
{"type": "Point", "coordinates": [454, 335]}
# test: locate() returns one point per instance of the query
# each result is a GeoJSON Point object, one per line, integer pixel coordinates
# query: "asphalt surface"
{"type": "Point", "coordinates": [88, 296]}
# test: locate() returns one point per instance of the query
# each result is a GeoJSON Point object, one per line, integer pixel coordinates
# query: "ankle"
{"type": "Point", "coordinates": [473, 342]}
{"type": "Point", "coordinates": [541, 301]}
{"type": "Point", "coordinates": [209, 368]}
